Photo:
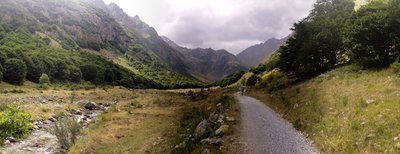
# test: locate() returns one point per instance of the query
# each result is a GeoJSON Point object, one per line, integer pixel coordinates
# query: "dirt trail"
{"type": "Point", "coordinates": [266, 132]}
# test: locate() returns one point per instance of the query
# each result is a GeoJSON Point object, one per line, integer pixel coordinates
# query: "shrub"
{"type": "Point", "coordinates": [1, 73]}
{"type": "Point", "coordinates": [395, 67]}
{"type": "Point", "coordinates": [75, 74]}
{"type": "Point", "coordinates": [3, 58]}
{"type": "Point", "coordinates": [89, 72]}
{"type": "Point", "coordinates": [14, 122]}
{"type": "Point", "coordinates": [273, 80]}
{"type": "Point", "coordinates": [230, 79]}
{"type": "Point", "coordinates": [252, 80]}
{"type": "Point", "coordinates": [66, 130]}
{"type": "Point", "coordinates": [196, 96]}
{"type": "Point", "coordinates": [14, 71]}
{"type": "Point", "coordinates": [44, 79]}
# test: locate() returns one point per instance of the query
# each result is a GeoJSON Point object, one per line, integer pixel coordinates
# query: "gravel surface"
{"type": "Point", "coordinates": [266, 132]}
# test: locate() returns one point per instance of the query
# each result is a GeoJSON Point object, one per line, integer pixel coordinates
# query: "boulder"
{"type": "Point", "coordinates": [90, 105]}
{"type": "Point", "coordinates": [11, 139]}
{"type": "Point", "coordinates": [212, 141]}
{"type": "Point", "coordinates": [201, 129]}
{"type": "Point", "coordinates": [221, 130]}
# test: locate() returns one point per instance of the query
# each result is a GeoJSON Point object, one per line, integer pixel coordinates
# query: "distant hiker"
{"type": "Point", "coordinates": [241, 89]}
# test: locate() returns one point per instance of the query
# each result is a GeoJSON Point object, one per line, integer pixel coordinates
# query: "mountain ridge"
{"type": "Point", "coordinates": [214, 65]}
{"type": "Point", "coordinates": [254, 55]}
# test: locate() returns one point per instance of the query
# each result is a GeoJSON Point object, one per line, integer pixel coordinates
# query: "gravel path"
{"type": "Point", "coordinates": [266, 132]}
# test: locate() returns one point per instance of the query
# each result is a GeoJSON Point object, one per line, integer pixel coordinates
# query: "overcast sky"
{"type": "Point", "coordinates": [220, 24]}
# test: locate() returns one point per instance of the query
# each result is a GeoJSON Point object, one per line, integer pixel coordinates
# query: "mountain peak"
{"type": "Point", "coordinates": [254, 55]}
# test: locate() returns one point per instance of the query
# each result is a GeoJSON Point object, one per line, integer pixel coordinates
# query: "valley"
{"type": "Point", "coordinates": [88, 76]}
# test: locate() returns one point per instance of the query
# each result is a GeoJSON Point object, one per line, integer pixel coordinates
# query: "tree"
{"type": "Point", "coordinates": [89, 72]}
{"type": "Point", "coordinates": [36, 69]}
{"type": "Point", "coordinates": [75, 74]}
{"type": "Point", "coordinates": [317, 44]}
{"type": "Point", "coordinates": [61, 71]}
{"type": "Point", "coordinates": [3, 57]}
{"type": "Point", "coordinates": [252, 80]}
{"type": "Point", "coordinates": [14, 71]}
{"type": "Point", "coordinates": [44, 79]}
{"type": "Point", "coordinates": [373, 36]}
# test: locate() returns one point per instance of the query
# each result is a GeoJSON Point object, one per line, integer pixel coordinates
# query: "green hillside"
{"type": "Point", "coordinates": [63, 38]}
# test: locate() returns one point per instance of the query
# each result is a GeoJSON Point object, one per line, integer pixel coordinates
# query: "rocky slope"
{"type": "Point", "coordinates": [254, 55]}
{"type": "Point", "coordinates": [213, 65]}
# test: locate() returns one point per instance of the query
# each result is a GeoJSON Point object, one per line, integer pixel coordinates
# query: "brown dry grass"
{"type": "Point", "coordinates": [132, 128]}
{"type": "Point", "coordinates": [332, 110]}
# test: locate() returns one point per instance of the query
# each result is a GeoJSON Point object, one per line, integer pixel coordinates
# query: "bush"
{"type": "Point", "coordinates": [274, 80]}
{"type": "Point", "coordinates": [1, 73]}
{"type": "Point", "coordinates": [395, 67]}
{"type": "Point", "coordinates": [252, 80]}
{"type": "Point", "coordinates": [75, 74]}
{"type": "Point", "coordinates": [66, 130]}
{"type": "Point", "coordinates": [14, 71]}
{"type": "Point", "coordinates": [14, 123]}
{"type": "Point", "coordinates": [89, 72]}
{"type": "Point", "coordinates": [196, 96]}
{"type": "Point", "coordinates": [231, 79]}
{"type": "Point", "coordinates": [44, 79]}
{"type": "Point", "coordinates": [3, 58]}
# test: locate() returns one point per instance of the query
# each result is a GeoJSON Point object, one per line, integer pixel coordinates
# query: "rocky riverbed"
{"type": "Point", "coordinates": [42, 141]}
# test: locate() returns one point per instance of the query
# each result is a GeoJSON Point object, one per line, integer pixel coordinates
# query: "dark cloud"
{"type": "Point", "coordinates": [223, 24]}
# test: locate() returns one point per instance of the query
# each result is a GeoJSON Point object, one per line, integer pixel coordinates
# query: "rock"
{"type": "Point", "coordinates": [78, 112]}
{"type": "Point", "coordinates": [222, 130]}
{"type": "Point", "coordinates": [295, 106]}
{"type": "Point", "coordinates": [214, 117]}
{"type": "Point", "coordinates": [43, 101]}
{"type": "Point", "coordinates": [46, 122]}
{"type": "Point", "coordinates": [52, 119]}
{"type": "Point", "coordinates": [180, 145]}
{"type": "Point", "coordinates": [11, 139]}
{"type": "Point", "coordinates": [370, 136]}
{"type": "Point", "coordinates": [212, 141]}
{"type": "Point", "coordinates": [370, 101]}
{"type": "Point", "coordinates": [90, 105]}
{"type": "Point", "coordinates": [7, 143]}
{"type": "Point", "coordinates": [35, 127]}
{"type": "Point", "coordinates": [201, 129]}
{"type": "Point", "coordinates": [119, 136]}
{"type": "Point", "coordinates": [221, 119]}
{"type": "Point", "coordinates": [230, 119]}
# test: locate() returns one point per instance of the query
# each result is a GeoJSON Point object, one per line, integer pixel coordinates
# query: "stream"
{"type": "Point", "coordinates": [42, 141]}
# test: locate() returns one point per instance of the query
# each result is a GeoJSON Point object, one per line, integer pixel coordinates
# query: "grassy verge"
{"type": "Point", "coordinates": [143, 123]}
{"type": "Point", "coordinates": [345, 110]}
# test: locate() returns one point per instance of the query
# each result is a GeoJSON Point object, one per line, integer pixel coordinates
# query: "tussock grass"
{"type": "Point", "coordinates": [344, 111]}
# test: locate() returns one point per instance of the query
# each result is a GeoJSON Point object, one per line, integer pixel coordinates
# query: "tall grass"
{"type": "Point", "coordinates": [66, 130]}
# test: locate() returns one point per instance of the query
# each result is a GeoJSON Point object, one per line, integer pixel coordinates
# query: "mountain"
{"type": "Point", "coordinates": [213, 65]}
{"type": "Point", "coordinates": [254, 55]}
{"type": "Point", "coordinates": [97, 41]}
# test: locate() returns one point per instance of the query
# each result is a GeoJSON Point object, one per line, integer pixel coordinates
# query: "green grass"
{"type": "Point", "coordinates": [332, 110]}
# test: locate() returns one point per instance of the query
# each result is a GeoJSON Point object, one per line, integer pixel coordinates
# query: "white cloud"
{"type": "Point", "coordinates": [221, 24]}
